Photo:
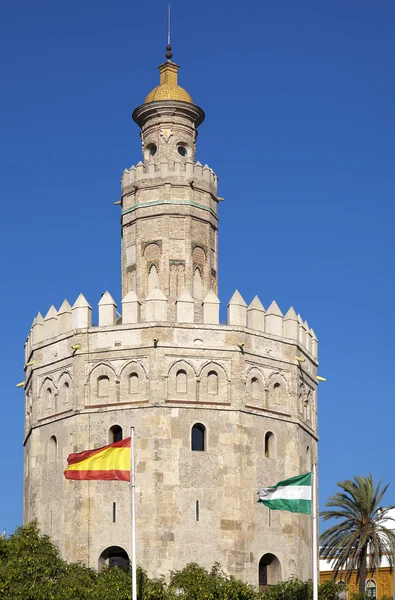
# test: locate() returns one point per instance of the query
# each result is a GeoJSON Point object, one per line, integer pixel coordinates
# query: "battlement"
{"type": "Point", "coordinates": [254, 318]}
{"type": "Point", "coordinates": [193, 173]}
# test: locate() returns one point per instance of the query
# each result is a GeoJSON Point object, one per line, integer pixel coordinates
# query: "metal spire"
{"type": "Point", "coordinates": [169, 53]}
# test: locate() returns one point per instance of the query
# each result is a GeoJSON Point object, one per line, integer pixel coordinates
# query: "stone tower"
{"type": "Point", "coordinates": [219, 409]}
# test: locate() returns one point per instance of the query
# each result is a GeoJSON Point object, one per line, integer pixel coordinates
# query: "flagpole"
{"type": "Point", "coordinates": [132, 490]}
{"type": "Point", "coordinates": [315, 533]}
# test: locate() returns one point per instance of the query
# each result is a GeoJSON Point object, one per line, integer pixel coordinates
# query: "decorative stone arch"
{"type": "Point", "coordinates": [213, 383]}
{"type": "Point", "coordinates": [102, 384]}
{"type": "Point", "coordinates": [64, 390]}
{"type": "Point", "coordinates": [152, 252]}
{"type": "Point", "coordinates": [113, 556]}
{"type": "Point", "coordinates": [181, 381]}
{"type": "Point", "coordinates": [256, 387]}
{"type": "Point", "coordinates": [133, 378]}
{"type": "Point", "coordinates": [269, 571]}
{"type": "Point", "coordinates": [278, 391]}
{"type": "Point", "coordinates": [199, 260]}
{"type": "Point", "coordinates": [48, 397]}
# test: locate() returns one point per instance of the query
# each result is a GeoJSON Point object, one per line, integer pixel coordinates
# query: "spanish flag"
{"type": "Point", "coordinates": [107, 463]}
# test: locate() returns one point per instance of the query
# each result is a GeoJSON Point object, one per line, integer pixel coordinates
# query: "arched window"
{"type": "Point", "coordinates": [255, 388]}
{"type": "Point", "coordinates": [133, 383]}
{"type": "Point", "coordinates": [53, 449]}
{"type": "Point", "coordinates": [212, 383]}
{"type": "Point", "coordinates": [66, 392]}
{"type": "Point", "coordinates": [115, 434]}
{"type": "Point", "coordinates": [269, 571]}
{"type": "Point", "coordinates": [371, 589]}
{"type": "Point", "coordinates": [308, 460]}
{"type": "Point", "coordinates": [103, 386]}
{"type": "Point", "coordinates": [277, 393]}
{"type": "Point", "coordinates": [197, 284]}
{"type": "Point", "coordinates": [153, 278]}
{"type": "Point", "coordinates": [48, 396]}
{"type": "Point", "coordinates": [181, 382]}
{"type": "Point", "coordinates": [198, 437]}
{"type": "Point", "coordinates": [270, 447]}
{"type": "Point", "coordinates": [114, 557]}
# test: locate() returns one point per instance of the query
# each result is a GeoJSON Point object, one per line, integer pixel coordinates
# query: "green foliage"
{"type": "Point", "coordinates": [362, 525]}
{"type": "Point", "coordinates": [31, 568]}
{"type": "Point", "coordinates": [330, 590]}
{"type": "Point", "coordinates": [293, 589]}
{"type": "Point", "coordinates": [196, 583]}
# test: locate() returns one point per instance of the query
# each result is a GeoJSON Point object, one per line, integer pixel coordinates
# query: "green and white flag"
{"type": "Point", "coordinates": [292, 494]}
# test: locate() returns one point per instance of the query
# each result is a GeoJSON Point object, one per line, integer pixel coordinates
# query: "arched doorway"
{"type": "Point", "coordinates": [114, 556]}
{"type": "Point", "coordinates": [269, 571]}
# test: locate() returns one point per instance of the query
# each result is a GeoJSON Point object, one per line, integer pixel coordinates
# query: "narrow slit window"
{"type": "Point", "coordinates": [197, 508]}
{"type": "Point", "coordinates": [114, 512]}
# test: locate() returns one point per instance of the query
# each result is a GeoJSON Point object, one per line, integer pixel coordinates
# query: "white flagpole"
{"type": "Point", "coordinates": [315, 533]}
{"type": "Point", "coordinates": [133, 487]}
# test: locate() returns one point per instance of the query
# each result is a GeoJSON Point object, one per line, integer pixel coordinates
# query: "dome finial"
{"type": "Point", "coordinates": [169, 53]}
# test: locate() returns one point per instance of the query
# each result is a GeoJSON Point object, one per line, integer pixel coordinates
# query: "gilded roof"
{"type": "Point", "coordinates": [168, 88]}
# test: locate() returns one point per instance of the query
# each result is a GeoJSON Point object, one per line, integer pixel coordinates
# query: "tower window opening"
{"type": "Point", "coordinates": [152, 149]}
{"type": "Point", "coordinates": [182, 150]}
{"type": "Point", "coordinates": [255, 388]}
{"type": "Point", "coordinates": [115, 434]}
{"type": "Point", "coordinates": [269, 571]}
{"type": "Point", "coordinates": [53, 449]}
{"type": "Point", "coordinates": [198, 437]}
{"type": "Point", "coordinates": [269, 445]}
{"type": "Point", "coordinates": [103, 386]}
{"type": "Point", "coordinates": [66, 391]}
{"type": "Point", "coordinates": [114, 557]}
{"type": "Point", "coordinates": [277, 393]}
{"type": "Point", "coordinates": [212, 383]}
{"type": "Point", "coordinates": [133, 383]}
{"type": "Point", "coordinates": [197, 509]}
{"type": "Point", "coordinates": [197, 284]}
{"type": "Point", "coordinates": [153, 278]}
{"type": "Point", "coordinates": [49, 398]}
{"type": "Point", "coordinates": [114, 512]}
{"type": "Point", "coordinates": [181, 382]}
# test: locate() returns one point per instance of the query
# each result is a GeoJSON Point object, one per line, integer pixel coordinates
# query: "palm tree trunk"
{"type": "Point", "coordinates": [363, 572]}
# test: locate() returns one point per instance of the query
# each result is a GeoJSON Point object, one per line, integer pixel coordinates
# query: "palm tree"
{"type": "Point", "coordinates": [361, 538]}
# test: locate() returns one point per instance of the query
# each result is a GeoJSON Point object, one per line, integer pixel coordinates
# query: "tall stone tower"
{"type": "Point", "coordinates": [219, 409]}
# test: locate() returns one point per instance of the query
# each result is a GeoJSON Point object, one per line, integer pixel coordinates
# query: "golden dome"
{"type": "Point", "coordinates": [168, 88]}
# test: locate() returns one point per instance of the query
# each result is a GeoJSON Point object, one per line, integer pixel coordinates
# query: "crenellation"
{"type": "Point", "coordinates": [131, 308]}
{"type": "Point", "coordinates": [274, 319]}
{"type": "Point", "coordinates": [107, 310]}
{"type": "Point", "coordinates": [210, 306]}
{"type": "Point", "coordinates": [50, 323]}
{"type": "Point", "coordinates": [291, 325]}
{"type": "Point", "coordinates": [185, 171]}
{"type": "Point", "coordinates": [81, 313]}
{"type": "Point", "coordinates": [256, 315]}
{"type": "Point", "coordinates": [38, 329]}
{"type": "Point", "coordinates": [64, 318]}
{"type": "Point", "coordinates": [237, 310]}
{"type": "Point", "coordinates": [156, 306]}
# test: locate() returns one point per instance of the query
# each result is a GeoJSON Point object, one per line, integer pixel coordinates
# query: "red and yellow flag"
{"type": "Point", "coordinates": [107, 463]}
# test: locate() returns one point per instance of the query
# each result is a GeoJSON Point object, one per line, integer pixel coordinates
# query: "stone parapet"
{"type": "Point", "coordinates": [254, 320]}
{"type": "Point", "coordinates": [194, 173]}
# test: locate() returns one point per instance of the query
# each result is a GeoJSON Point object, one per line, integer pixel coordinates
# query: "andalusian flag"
{"type": "Point", "coordinates": [291, 494]}
{"type": "Point", "coordinates": [109, 462]}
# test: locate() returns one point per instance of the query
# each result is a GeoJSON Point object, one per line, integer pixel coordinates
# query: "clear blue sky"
{"type": "Point", "coordinates": [299, 100]}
